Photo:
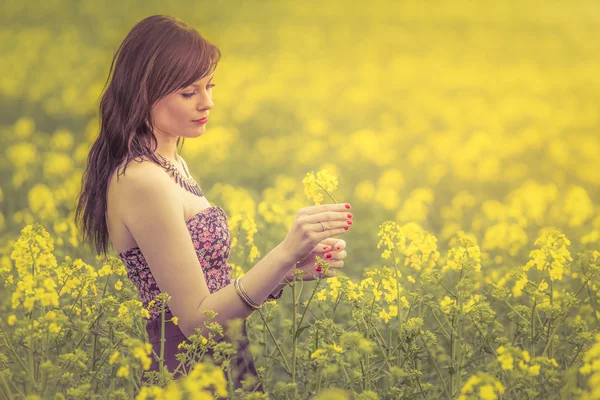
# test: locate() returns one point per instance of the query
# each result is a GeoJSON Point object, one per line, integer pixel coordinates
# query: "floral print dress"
{"type": "Point", "coordinates": [210, 235]}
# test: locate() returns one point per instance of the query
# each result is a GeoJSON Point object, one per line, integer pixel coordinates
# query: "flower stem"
{"type": "Point", "coordinates": [275, 340]}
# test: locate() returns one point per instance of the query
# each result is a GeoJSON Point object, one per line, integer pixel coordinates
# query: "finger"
{"type": "Point", "coordinates": [339, 245]}
{"type": "Point", "coordinates": [329, 220]}
{"type": "Point", "coordinates": [331, 242]}
{"type": "Point", "coordinates": [335, 256]}
{"type": "Point", "coordinates": [331, 228]}
{"type": "Point", "coordinates": [323, 208]}
{"type": "Point", "coordinates": [326, 245]}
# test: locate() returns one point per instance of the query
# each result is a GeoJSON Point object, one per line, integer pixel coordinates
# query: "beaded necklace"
{"type": "Point", "coordinates": [186, 182]}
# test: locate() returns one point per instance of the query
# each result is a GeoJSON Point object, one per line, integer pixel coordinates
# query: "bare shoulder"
{"type": "Point", "coordinates": [137, 180]}
{"type": "Point", "coordinates": [140, 171]}
{"type": "Point", "coordinates": [139, 166]}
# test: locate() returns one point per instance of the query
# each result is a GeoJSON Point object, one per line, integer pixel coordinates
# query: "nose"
{"type": "Point", "coordinates": [206, 102]}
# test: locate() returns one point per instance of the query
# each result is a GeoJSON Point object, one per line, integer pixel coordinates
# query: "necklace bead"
{"type": "Point", "coordinates": [186, 182]}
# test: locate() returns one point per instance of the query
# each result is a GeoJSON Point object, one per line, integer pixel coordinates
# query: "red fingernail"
{"type": "Point", "coordinates": [346, 228]}
{"type": "Point", "coordinates": [349, 215]}
{"type": "Point", "coordinates": [349, 222]}
{"type": "Point", "coordinates": [348, 206]}
{"type": "Point", "coordinates": [319, 269]}
{"type": "Point", "coordinates": [325, 248]}
{"type": "Point", "coordinates": [328, 255]}
{"type": "Point", "coordinates": [337, 248]}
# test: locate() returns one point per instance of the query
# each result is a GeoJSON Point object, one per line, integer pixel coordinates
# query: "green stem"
{"type": "Point", "coordinates": [437, 370]}
{"type": "Point", "coordinates": [367, 336]}
{"type": "Point", "coordinates": [274, 340]}
{"type": "Point", "coordinates": [162, 344]}
{"type": "Point", "coordinates": [516, 312]}
{"type": "Point", "coordinates": [444, 286]}
{"type": "Point", "coordinates": [446, 334]}
{"type": "Point", "coordinates": [593, 303]}
{"type": "Point", "coordinates": [326, 192]}
{"type": "Point", "coordinates": [309, 301]}
{"type": "Point", "coordinates": [6, 388]}
{"type": "Point", "coordinates": [486, 341]}
{"type": "Point", "coordinates": [294, 328]}
{"type": "Point", "coordinates": [31, 384]}
{"type": "Point", "coordinates": [13, 351]}
{"type": "Point", "coordinates": [319, 381]}
{"type": "Point", "coordinates": [550, 329]}
{"type": "Point", "coordinates": [533, 330]}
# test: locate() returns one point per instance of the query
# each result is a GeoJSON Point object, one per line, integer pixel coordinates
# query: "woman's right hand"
{"type": "Point", "coordinates": [306, 230]}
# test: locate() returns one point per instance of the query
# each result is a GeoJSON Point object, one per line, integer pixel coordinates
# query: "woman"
{"type": "Point", "coordinates": [170, 238]}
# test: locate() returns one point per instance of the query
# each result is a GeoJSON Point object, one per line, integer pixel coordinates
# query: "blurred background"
{"type": "Point", "coordinates": [478, 118]}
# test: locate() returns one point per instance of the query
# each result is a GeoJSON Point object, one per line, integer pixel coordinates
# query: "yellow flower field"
{"type": "Point", "coordinates": [466, 136]}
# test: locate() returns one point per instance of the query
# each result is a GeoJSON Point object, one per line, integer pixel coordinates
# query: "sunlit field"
{"type": "Point", "coordinates": [466, 136]}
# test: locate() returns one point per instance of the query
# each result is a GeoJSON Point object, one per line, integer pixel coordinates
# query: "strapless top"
{"type": "Point", "coordinates": [212, 241]}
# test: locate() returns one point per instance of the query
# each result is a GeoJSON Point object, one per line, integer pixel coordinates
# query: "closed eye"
{"type": "Point", "coordinates": [188, 95]}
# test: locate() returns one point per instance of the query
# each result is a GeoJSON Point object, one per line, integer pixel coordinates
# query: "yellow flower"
{"type": "Point", "coordinates": [175, 320]}
{"type": "Point", "coordinates": [506, 360]}
{"type": "Point", "coordinates": [12, 319]}
{"type": "Point", "coordinates": [519, 285]}
{"type": "Point", "coordinates": [172, 391]}
{"type": "Point", "coordinates": [534, 370]}
{"type": "Point", "coordinates": [113, 358]}
{"type": "Point", "coordinates": [472, 301]}
{"type": "Point", "coordinates": [499, 386]}
{"type": "Point", "coordinates": [316, 353]}
{"type": "Point", "coordinates": [464, 253]}
{"type": "Point", "coordinates": [486, 392]}
{"type": "Point", "coordinates": [410, 279]}
{"type": "Point", "coordinates": [119, 285]}
{"type": "Point", "coordinates": [468, 386]}
{"type": "Point", "coordinates": [322, 295]}
{"type": "Point", "coordinates": [585, 369]}
{"type": "Point", "coordinates": [314, 187]}
{"type": "Point", "coordinates": [22, 154]}
{"type": "Point", "coordinates": [446, 304]}
{"type": "Point", "coordinates": [542, 286]}
{"type": "Point", "coordinates": [553, 255]}
{"type": "Point", "coordinates": [140, 352]}
{"type": "Point", "coordinates": [123, 310]}
{"type": "Point", "coordinates": [123, 371]}
{"type": "Point", "coordinates": [384, 316]}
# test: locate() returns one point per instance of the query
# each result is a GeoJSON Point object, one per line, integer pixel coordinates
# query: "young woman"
{"type": "Point", "coordinates": [168, 235]}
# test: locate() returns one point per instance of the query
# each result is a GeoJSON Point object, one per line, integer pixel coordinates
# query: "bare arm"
{"type": "Point", "coordinates": [258, 282]}
{"type": "Point", "coordinates": [155, 218]}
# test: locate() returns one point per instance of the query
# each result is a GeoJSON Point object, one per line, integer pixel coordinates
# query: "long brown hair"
{"type": "Point", "coordinates": [161, 54]}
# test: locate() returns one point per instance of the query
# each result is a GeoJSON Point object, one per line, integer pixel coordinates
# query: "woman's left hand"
{"type": "Point", "coordinates": [332, 246]}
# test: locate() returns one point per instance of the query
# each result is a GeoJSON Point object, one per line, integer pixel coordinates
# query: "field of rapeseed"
{"type": "Point", "coordinates": [466, 136]}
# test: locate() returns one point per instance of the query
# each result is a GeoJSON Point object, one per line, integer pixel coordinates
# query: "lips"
{"type": "Point", "coordinates": [201, 119]}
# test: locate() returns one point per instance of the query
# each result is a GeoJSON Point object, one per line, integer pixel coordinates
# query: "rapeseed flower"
{"type": "Point", "coordinates": [315, 186]}
{"type": "Point", "coordinates": [553, 256]}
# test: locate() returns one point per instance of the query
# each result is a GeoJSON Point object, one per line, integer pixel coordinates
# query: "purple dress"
{"type": "Point", "coordinates": [210, 234]}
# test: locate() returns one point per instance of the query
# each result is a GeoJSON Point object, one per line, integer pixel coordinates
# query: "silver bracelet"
{"type": "Point", "coordinates": [242, 293]}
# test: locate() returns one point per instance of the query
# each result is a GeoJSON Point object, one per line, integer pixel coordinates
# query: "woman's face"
{"type": "Point", "coordinates": [174, 114]}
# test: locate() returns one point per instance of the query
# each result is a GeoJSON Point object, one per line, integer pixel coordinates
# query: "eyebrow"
{"type": "Point", "coordinates": [197, 85]}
